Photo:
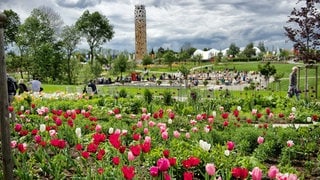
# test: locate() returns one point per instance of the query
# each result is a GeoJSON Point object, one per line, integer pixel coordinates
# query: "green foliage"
{"type": "Point", "coordinates": [11, 27]}
{"type": "Point", "coordinates": [123, 93]}
{"type": "Point", "coordinates": [147, 60]}
{"type": "Point", "coordinates": [148, 96]}
{"type": "Point", "coordinates": [266, 150]}
{"type": "Point", "coordinates": [169, 58]}
{"type": "Point", "coordinates": [95, 28]}
{"type": "Point", "coordinates": [267, 70]}
{"type": "Point", "coordinates": [167, 98]}
{"type": "Point", "coordinates": [120, 64]}
{"type": "Point", "coordinates": [233, 50]}
{"type": "Point", "coordinates": [249, 51]}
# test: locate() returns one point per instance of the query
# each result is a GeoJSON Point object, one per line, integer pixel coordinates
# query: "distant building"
{"type": "Point", "coordinates": [140, 32]}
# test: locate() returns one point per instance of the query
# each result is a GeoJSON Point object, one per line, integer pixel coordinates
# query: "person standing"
{"type": "Point", "coordinates": [12, 88]}
{"type": "Point", "coordinates": [22, 87]}
{"type": "Point", "coordinates": [293, 82]}
{"type": "Point", "coordinates": [35, 85]}
{"type": "Point", "coordinates": [93, 86]}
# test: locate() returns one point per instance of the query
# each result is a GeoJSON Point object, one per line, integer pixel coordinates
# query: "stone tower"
{"type": "Point", "coordinates": [140, 31]}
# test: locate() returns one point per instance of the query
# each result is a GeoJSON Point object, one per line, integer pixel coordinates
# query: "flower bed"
{"type": "Point", "coordinates": [105, 137]}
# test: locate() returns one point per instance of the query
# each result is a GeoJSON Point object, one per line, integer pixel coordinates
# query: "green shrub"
{"type": "Point", "coordinates": [148, 96]}
{"type": "Point", "coordinates": [123, 93]}
{"type": "Point", "coordinates": [167, 98]}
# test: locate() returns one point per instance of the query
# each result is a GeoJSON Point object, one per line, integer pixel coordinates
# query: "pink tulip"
{"type": "Point", "coordinates": [230, 145]}
{"type": "Point", "coordinates": [210, 120]}
{"type": "Point", "coordinates": [199, 117]}
{"type": "Point", "coordinates": [165, 135]}
{"type": "Point", "coordinates": [154, 171]}
{"type": "Point", "coordinates": [292, 177]}
{"type": "Point", "coordinates": [145, 130]}
{"type": "Point", "coordinates": [273, 171]}
{"type": "Point", "coordinates": [194, 129]}
{"type": "Point", "coordinates": [117, 131]}
{"type": "Point", "coordinates": [210, 169]}
{"type": "Point", "coordinates": [163, 164]}
{"type": "Point", "coordinates": [144, 110]}
{"type": "Point", "coordinates": [13, 144]}
{"type": "Point", "coordinates": [118, 116]}
{"type": "Point", "coordinates": [130, 156]}
{"type": "Point", "coordinates": [290, 143]}
{"type": "Point", "coordinates": [176, 134]}
{"type": "Point", "coordinates": [256, 174]}
{"type": "Point", "coordinates": [147, 139]}
{"type": "Point", "coordinates": [98, 128]}
{"type": "Point", "coordinates": [37, 138]}
{"type": "Point", "coordinates": [139, 124]}
{"type": "Point", "coordinates": [260, 140]}
{"type": "Point", "coordinates": [151, 123]}
{"type": "Point", "coordinates": [188, 135]}
{"type": "Point", "coordinates": [52, 132]}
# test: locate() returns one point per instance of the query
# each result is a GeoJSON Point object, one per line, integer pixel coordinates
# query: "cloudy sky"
{"type": "Point", "coordinates": [173, 23]}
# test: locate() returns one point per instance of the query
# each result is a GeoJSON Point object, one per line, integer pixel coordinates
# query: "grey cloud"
{"type": "Point", "coordinates": [171, 23]}
{"type": "Point", "coordinates": [78, 3]}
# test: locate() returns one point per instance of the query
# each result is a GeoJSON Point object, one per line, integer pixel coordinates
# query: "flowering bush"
{"type": "Point", "coordinates": [60, 137]}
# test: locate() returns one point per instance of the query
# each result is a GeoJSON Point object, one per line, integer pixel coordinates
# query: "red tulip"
{"type": "Point", "coordinates": [128, 172]}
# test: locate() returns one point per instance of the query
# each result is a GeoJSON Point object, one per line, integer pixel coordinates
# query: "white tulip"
{"type": "Point", "coordinates": [214, 113]}
{"type": "Point", "coordinates": [308, 119]}
{"type": "Point", "coordinates": [227, 152]}
{"type": "Point", "coordinates": [204, 145]}
{"type": "Point", "coordinates": [78, 132]}
{"type": "Point", "coordinates": [42, 127]}
{"type": "Point", "coordinates": [111, 130]}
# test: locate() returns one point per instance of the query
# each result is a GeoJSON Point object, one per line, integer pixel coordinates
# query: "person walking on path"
{"type": "Point", "coordinates": [293, 89]}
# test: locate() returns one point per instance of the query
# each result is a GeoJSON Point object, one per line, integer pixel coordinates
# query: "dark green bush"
{"type": "Point", "coordinates": [148, 96]}
{"type": "Point", "coordinates": [123, 93]}
{"type": "Point", "coordinates": [167, 98]}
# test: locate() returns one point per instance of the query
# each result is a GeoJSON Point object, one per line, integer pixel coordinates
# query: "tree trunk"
{"type": "Point", "coordinates": [7, 161]}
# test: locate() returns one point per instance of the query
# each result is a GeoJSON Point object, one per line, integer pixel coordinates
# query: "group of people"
{"type": "Point", "coordinates": [21, 87]}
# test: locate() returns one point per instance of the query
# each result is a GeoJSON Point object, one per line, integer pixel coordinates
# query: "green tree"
{"type": "Point", "coordinates": [233, 50]}
{"type": "Point", "coordinates": [184, 56]}
{"type": "Point", "coordinates": [146, 60]}
{"type": "Point", "coordinates": [120, 65]}
{"type": "Point", "coordinates": [70, 38]}
{"type": "Point", "coordinates": [169, 58]}
{"type": "Point", "coordinates": [37, 35]}
{"type": "Point", "coordinates": [249, 51]}
{"type": "Point", "coordinates": [196, 58]}
{"type": "Point", "coordinates": [96, 29]}
{"type": "Point", "coordinates": [185, 72]}
{"type": "Point", "coordinates": [277, 78]}
{"type": "Point", "coordinates": [303, 29]}
{"type": "Point", "coordinates": [11, 27]}
{"type": "Point", "coordinates": [267, 71]}
{"type": "Point", "coordinates": [48, 62]}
